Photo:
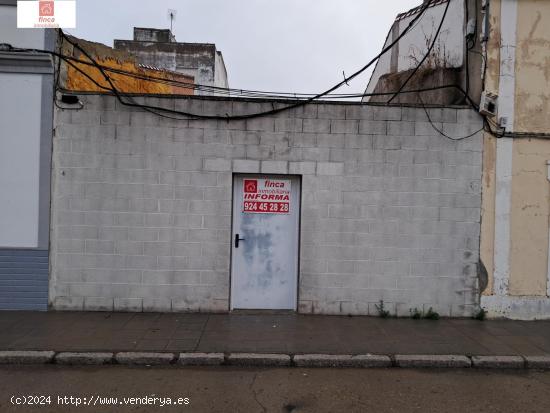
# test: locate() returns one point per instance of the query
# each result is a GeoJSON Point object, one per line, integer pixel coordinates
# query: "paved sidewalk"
{"type": "Point", "coordinates": [281, 333]}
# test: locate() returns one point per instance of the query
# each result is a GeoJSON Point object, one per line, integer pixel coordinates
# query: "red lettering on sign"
{"type": "Point", "coordinates": [265, 196]}
{"type": "Point", "coordinates": [271, 184]}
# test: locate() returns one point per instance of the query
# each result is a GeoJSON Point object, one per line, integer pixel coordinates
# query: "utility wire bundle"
{"type": "Point", "coordinates": [287, 100]}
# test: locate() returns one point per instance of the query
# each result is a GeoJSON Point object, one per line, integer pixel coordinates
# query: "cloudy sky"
{"type": "Point", "coordinates": [275, 45]}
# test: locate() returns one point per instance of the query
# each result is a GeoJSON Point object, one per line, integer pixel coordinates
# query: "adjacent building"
{"type": "Point", "coordinates": [516, 201]}
{"type": "Point", "coordinates": [159, 48]}
{"type": "Point", "coordinates": [128, 75]}
{"type": "Point", "coordinates": [497, 51]}
{"type": "Point", "coordinates": [26, 119]}
{"type": "Point", "coordinates": [455, 57]}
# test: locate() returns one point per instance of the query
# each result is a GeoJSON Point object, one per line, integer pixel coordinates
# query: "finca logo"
{"type": "Point", "coordinates": [46, 8]}
{"type": "Point", "coordinates": [46, 14]}
{"type": "Point", "coordinates": [250, 186]}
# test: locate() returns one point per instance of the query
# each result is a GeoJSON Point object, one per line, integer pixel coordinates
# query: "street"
{"type": "Point", "coordinates": [228, 389]}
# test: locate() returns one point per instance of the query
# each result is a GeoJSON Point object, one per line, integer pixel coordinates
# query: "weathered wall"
{"type": "Point", "coordinates": [533, 66]}
{"type": "Point", "coordinates": [77, 76]}
{"type": "Point", "coordinates": [142, 205]}
{"type": "Point", "coordinates": [448, 51]}
{"type": "Point", "coordinates": [196, 59]}
{"type": "Point", "coordinates": [423, 79]}
{"type": "Point", "coordinates": [220, 72]}
{"type": "Point", "coordinates": [530, 187]}
{"type": "Point", "coordinates": [489, 150]}
{"type": "Point", "coordinates": [144, 34]}
{"type": "Point", "coordinates": [523, 171]}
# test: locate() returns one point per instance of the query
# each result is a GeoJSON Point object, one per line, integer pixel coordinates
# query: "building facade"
{"type": "Point", "coordinates": [326, 208]}
{"type": "Point", "coordinates": [455, 57]}
{"type": "Point", "coordinates": [124, 70]}
{"type": "Point", "coordinates": [498, 47]}
{"type": "Point", "coordinates": [26, 99]}
{"type": "Point", "coordinates": [158, 48]}
{"type": "Point", "coordinates": [516, 201]}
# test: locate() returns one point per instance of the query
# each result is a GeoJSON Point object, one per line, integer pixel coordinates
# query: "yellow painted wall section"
{"type": "Point", "coordinates": [79, 82]}
{"type": "Point", "coordinates": [489, 151]}
{"type": "Point", "coordinates": [529, 218]}
{"type": "Point", "coordinates": [530, 187]}
{"type": "Point", "coordinates": [533, 66]}
{"type": "Point", "coordinates": [77, 75]}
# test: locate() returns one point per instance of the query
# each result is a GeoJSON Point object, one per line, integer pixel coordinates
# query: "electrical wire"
{"type": "Point", "coordinates": [253, 115]}
{"type": "Point", "coordinates": [69, 60]}
{"type": "Point", "coordinates": [302, 98]}
{"type": "Point", "coordinates": [440, 131]}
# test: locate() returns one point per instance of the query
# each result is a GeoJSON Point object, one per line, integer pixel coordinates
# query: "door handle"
{"type": "Point", "coordinates": [237, 239]}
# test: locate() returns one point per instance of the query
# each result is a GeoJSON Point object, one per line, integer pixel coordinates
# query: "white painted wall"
{"type": "Point", "coordinates": [449, 44]}
{"type": "Point", "coordinates": [220, 73]}
{"type": "Point", "coordinates": [20, 117]}
{"type": "Point", "coordinates": [414, 45]}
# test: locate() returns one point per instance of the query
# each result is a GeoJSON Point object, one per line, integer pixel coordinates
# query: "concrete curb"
{"type": "Point", "coordinates": [538, 362]}
{"type": "Point", "coordinates": [26, 357]}
{"type": "Point", "coordinates": [83, 359]}
{"type": "Point", "coordinates": [432, 361]}
{"type": "Point", "coordinates": [498, 362]}
{"type": "Point", "coordinates": [258, 360]}
{"type": "Point", "coordinates": [144, 359]}
{"type": "Point", "coordinates": [274, 360]}
{"type": "Point", "coordinates": [201, 359]}
{"type": "Point", "coordinates": [330, 360]}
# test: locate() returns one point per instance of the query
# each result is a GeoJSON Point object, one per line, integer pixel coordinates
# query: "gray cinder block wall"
{"type": "Point", "coordinates": [141, 205]}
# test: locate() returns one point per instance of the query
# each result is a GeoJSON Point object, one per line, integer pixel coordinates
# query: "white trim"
{"type": "Point", "coordinates": [548, 256]}
{"type": "Point", "coordinates": [507, 80]}
{"type": "Point", "coordinates": [503, 200]}
{"type": "Point", "coordinates": [503, 185]}
{"type": "Point", "coordinates": [548, 271]}
{"type": "Point", "coordinates": [517, 308]}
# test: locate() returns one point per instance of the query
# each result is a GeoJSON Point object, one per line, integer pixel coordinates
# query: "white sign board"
{"type": "Point", "coordinates": [266, 196]}
{"type": "Point", "coordinates": [46, 14]}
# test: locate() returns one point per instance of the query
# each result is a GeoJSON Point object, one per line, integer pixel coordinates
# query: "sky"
{"type": "Point", "coordinates": [274, 45]}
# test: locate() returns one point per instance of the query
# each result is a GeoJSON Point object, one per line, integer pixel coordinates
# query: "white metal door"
{"type": "Point", "coordinates": [266, 214]}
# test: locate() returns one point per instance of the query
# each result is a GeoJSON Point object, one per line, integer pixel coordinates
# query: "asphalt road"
{"type": "Point", "coordinates": [272, 390]}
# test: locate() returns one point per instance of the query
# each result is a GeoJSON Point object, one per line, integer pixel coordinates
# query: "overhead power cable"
{"type": "Point", "coordinates": [299, 99]}
{"type": "Point", "coordinates": [252, 115]}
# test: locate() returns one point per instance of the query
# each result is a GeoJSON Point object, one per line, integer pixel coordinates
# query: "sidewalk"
{"type": "Point", "coordinates": [284, 333]}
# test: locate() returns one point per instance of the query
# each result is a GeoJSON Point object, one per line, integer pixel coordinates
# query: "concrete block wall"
{"type": "Point", "coordinates": [141, 205]}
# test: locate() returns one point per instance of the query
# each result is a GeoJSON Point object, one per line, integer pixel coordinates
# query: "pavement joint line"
{"type": "Point", "coordinates": [197, 359]}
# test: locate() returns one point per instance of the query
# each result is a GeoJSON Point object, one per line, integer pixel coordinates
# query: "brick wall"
{"type": "Point", "coordinates": [141, 206]}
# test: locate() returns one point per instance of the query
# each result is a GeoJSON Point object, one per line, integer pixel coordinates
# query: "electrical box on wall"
{"type": "Point", "coordinates": [488, 105]}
